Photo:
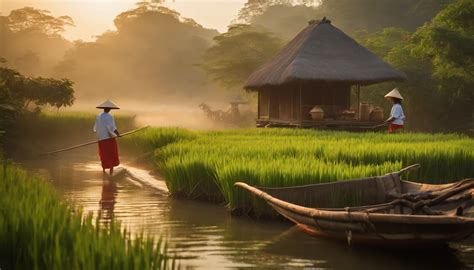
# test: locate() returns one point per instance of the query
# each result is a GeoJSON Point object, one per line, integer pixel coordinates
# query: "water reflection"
{"type": "Point", "coordinates": [324, 253]}
{"type": "Point", "coordinates": [204, 235]}
{"type": "Point", "coordinates": [107, 199]}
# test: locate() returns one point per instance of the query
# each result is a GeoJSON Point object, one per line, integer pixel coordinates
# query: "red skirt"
{"type": "Point", "coordinates": [108, 153]}
{"type": "Point", "coordinates": [392, 127]}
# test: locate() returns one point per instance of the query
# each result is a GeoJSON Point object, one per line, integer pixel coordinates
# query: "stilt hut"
{"type": "Point", "coordinates": [316, 70]}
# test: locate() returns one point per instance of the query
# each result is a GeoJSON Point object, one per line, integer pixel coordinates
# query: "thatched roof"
{"type": "Point", "coordinates": [323, 53]}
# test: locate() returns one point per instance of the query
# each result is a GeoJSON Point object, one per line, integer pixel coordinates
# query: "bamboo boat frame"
{"type": "Point", "coordinates": [407, 214]}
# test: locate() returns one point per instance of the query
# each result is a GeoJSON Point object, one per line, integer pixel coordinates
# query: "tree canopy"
{"type": "Point", "coordinates": [37, 20]}
{"type": "Point", "coordinates": [438, 59]}
{"type": "Point", "coordinates": [19, 91]}
{"type": "Point", "coordinates": [237, 53]}
{"type": "Point", "coordinates": [151, 55]}
{"type": "Point", "coordinates": [31, 40]}
{"type": "Point", "coordinates": [286, 18]}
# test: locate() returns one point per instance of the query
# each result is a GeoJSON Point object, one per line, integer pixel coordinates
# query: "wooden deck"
{"type": "Point", "coordinates": [349, 125]}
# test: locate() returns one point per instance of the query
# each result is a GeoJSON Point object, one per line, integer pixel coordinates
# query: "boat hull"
{"type": "Point", "coordinates": [388, 234]}
{"type": "Point", "coordinates": [385, 210]}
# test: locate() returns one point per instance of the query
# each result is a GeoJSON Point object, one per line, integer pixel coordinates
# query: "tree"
{"type": "Point", "coordinates": [237, 53]}
{"type": "Point", "coordinates": [255, 8]}
{"type": "Point", "coordinates": [18, 91]}
{"type": "Point", "coordinates": [439, 61]}
{"type": "Point", "coordinates": [31, 40]}
{"type": "Point", "coordinates": [151, 56]}
{"type": "Point", "coordinates": [288, 17]}
{"type": "Point", "coordinates": [284, 20]}
{"type": "Point", "coordinates": [37, 20]}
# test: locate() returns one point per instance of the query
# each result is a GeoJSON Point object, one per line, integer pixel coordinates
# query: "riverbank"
{"type": "Point", "coordinates": [206, 164]}
{"type": "Point", "coordinates": [38, 230]}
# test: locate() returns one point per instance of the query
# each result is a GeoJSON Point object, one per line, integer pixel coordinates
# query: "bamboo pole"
{"type": "Point", "coordinates": [89, 143]}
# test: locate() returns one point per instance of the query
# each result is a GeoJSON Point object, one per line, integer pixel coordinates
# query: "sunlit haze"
{"type": "Point", "coordinates": [93, 18]}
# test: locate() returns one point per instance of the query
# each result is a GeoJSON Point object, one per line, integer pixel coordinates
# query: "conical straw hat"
{"type": "Point", "coordinates": [107, 104]}
{"type": "Point", "coordinates": [394, 94]}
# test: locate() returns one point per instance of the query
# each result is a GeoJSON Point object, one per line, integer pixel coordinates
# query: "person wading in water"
{"type": "Point", "coordinates": [106, 132]}
{"type": "Point", "coordinates": [397, 117]}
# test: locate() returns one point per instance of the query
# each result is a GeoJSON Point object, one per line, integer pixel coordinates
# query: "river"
{"type": "Point", "coordinates": [205, 236]}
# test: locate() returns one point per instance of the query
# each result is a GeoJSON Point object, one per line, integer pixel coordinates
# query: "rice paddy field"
{"type": "Point", "coordinates": [206, 164]}
{"type": "Point", "coordinates": [39, 230]}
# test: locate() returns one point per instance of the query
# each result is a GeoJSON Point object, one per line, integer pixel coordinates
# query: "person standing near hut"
{"type": "Point", "coordinates": [397, 117]}
{"type": "Point", "coordinates": [106, 132]}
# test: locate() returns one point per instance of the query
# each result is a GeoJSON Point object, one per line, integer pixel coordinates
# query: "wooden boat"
{"type": "Point", "coordinates": [383, 210]}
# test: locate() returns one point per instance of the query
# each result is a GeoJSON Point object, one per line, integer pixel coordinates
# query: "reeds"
{"type": "Point", "coordinates": [40, 231]}
{"type": "Point", "coordinates": [208, 164]}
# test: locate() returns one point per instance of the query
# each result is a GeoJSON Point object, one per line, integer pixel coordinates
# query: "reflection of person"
{"type": "Point", "coordinates": [107, 199]}
{"type": "Point", "coordinates": [395, 121]}
{"type": "Point", "coordinates": [106, 133]}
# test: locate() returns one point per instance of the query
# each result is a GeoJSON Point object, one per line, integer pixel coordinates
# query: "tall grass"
{"type": "Point", "coordinates": [146, 141]}
{"type": "Point", "coordinates": [36, 133]}
{"type": "Point", "coordinates": [39, 231]}
{"type": "Point", "coordinates": [207, 164]}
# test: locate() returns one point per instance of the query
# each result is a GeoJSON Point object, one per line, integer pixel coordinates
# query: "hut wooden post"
{"type": "Point", "coordinates": [301, 104]}
{"type": "Point", "coordinates": [358, 102]}
{"type": "Point", "coordinates": [258, 105]}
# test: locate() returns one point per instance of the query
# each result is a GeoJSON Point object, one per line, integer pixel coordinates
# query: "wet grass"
{"type": "Point", "coordinates": [206, 164]}
{"type": "Point", "coordinates": [40, 231]}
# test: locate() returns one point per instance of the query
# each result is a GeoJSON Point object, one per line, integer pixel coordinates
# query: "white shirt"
{"type": "Point", "coordinates": [104, 126]}
{"type": "Point", "coordinates": [397, 114]}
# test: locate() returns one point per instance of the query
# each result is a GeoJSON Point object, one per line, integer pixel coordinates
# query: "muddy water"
{"type": "Point", "coordinates": [204, 236]}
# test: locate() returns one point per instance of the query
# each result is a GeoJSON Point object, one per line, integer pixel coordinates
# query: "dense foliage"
{"type": "Point", "coordinates": [206, 164]}
{"type": "Point", "coordinates": [439, 61]}
{"type": "Point", "coordinates": [19, 93]}
{"type": "Point", "coordinates": [237, 53]}
{"type": "Point", "coordinates": [39, 231]}
{"type": "Point", "coordinates": [27, 26]}
{"type": "Point", "coordinates": [287, 17]}
{"type": "Point", "coordinates": [151, 56]}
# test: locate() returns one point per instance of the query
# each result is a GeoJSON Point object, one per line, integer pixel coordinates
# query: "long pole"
{"type": "Point", "coordinates": [89, 143]}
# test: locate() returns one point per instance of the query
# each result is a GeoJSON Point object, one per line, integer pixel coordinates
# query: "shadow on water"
{"type": "Point", "coordinates": [338, 255]}
{"type": "Point", "coordinates": [205, 236]}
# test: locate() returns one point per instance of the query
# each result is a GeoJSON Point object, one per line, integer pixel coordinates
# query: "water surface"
{"type": "Point", "coordinates": [205, 236]}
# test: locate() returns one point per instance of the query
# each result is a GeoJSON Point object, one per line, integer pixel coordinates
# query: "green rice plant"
{"type": "Point", "coordinates": [151, 138]}
{"type": "Point", "coordinates": [206, 164]}
{"type": "Point", "coordinates": [40, 231]}
{"type": "Point", "coordinates": [291, 172]}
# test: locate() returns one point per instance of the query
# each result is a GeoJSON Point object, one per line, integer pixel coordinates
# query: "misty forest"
{"type": "Point", "coordinates": [234, 144]}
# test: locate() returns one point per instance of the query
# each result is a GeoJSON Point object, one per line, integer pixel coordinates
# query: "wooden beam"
{"type": "Point", "coordinates": [358, 102]}
{"type": "Point", "coordinates": [258, 104]}
{"type": "Point", "coordinates": [301, 104]}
